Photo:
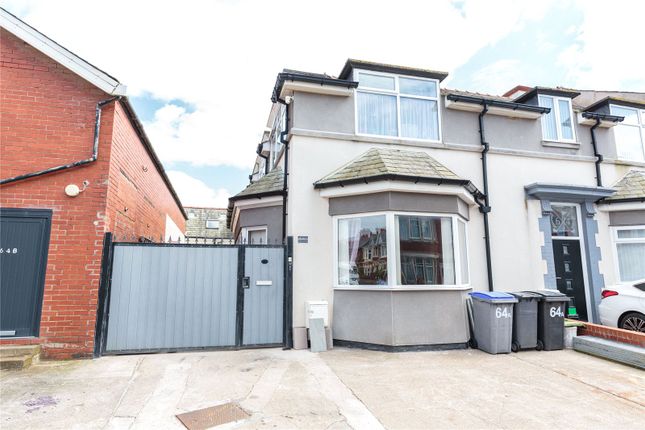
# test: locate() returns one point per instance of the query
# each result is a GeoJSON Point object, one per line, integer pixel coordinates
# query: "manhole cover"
{"type": "Point", "coordinates": [213, 416]}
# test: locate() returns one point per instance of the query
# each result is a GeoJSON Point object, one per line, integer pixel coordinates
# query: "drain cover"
{"type": "Point", "coordinates": [213, 416]}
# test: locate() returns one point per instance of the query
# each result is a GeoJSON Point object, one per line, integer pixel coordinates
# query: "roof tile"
{"type": "Point", "coordinates": [631, 186]}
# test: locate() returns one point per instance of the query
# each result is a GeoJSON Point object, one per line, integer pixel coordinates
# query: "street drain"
{"type": "Point", "coordinates": [213, 416]}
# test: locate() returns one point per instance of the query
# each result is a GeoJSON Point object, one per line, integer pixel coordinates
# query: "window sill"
{"type": "Point", "coordinates": [559, 144]}
{"type": "Point", "coordinates": [406, 288]}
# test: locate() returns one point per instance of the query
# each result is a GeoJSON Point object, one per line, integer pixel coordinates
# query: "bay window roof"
{"type": "Point", "coordinates": [630, 188]}
{"type": "Point", "coordinates": [270, 184]}
{"type": "Point", "coordinates": [391, 164]}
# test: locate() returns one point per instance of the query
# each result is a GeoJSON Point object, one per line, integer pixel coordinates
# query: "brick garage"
{"type": "Point", "coordinates": [48, 119]}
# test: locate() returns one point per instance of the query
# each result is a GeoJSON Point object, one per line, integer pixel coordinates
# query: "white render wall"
{"type": "Point", "coordinates": [515, 238]}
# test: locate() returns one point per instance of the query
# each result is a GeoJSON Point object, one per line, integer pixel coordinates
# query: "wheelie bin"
{"type": "Point", "coordinates": [551, 312]}
{"type": "Point", "coordinates": [493, 321]}
{"type": "Point", "coordinates": [525, 320]}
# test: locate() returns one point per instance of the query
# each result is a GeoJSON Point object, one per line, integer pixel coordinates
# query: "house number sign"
{"type": "Point", "coordinates": [8, 250]}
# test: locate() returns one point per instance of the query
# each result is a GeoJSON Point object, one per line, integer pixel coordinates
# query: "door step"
{"type": "Point", "coordinates": [18, 357]}
{"type": "Point", "coordinates": [616, 351]}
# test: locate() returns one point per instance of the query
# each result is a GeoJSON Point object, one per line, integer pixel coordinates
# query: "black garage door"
{"type": "Point", "coordinates": [24, 242]}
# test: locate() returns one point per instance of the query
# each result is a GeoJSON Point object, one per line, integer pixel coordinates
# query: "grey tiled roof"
{"type": "Point", "coordinates": [446, 91]}
{"type": "Point", "coordinates": [272, 182]}
{"type": "Point", "coordinates": [632, 186]}
{"type": "Point", "coordinates": [379, 162]}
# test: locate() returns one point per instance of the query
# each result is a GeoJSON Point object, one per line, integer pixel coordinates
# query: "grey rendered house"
{"type": "Point", "coordinates": [403, 196]}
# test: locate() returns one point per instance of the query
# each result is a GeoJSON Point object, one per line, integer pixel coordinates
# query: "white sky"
{"type": "Point", "coordinates": [222, 57]}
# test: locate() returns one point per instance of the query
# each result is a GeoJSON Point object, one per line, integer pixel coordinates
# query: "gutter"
{"type": "Point", "coordinates": [93, 158]}
{"type": "Point", "coordinates": [301, 77]}
{"type": "Point", "coordinates": [599, 117]}
{"type": "Point", "coordinates": [497, 103]}
{"type": "Point", "coordinates": [392, 177]}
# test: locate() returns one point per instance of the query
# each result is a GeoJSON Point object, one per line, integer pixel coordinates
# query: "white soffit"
{"type": "Point", "coordinates": [493, 110]}
{"type": "Point", "coordinates": [590, 121]}
{"type": "Point", "coordinates": [61, 55]}
{"type": "Point", "coordinates": [306, 87]}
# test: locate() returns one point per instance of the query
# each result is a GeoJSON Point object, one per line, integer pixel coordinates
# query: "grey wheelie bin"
{"type": "Point", "coordinates": [493, 321]}
{"type": "Point", "coordinates": [525, 320]}
{"type": "Point", "coordinates": [551, 311]}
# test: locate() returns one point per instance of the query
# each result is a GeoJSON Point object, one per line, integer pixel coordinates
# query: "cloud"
{"type": "Point", "coordinates": [193, 192]}
{"type": "Point", "coordinates": [607, 53]}
{"type": "Point", "coordinates": [222, 57]}
{"type": "Point", "coordinates": [498, 77]}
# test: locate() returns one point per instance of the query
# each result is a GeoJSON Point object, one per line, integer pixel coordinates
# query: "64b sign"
{"type": "Point", "coordinates": [8, 250]}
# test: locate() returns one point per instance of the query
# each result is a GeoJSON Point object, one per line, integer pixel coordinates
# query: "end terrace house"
{"type": "Point", "coordinates": [75, 163]}
{"type": "Point", "coordinates": [402, 196]}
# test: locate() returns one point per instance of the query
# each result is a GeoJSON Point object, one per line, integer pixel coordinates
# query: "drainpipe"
{"type": "Point", "coordinates": [595, 152]}
{"type": "Point", "coordinates": [485, 207]}
{"type": "Point", "coordinates": [265, 157]}
{"type": "Point", "coordinates": [93, 158]}
{"type": "Point", "coordinates": [285, 188]}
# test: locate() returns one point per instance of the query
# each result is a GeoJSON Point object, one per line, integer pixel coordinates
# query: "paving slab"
{"type": "Point", "coordinates": [338, 389]}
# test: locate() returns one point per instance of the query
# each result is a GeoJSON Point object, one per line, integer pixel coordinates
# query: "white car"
{"type": "Point", "coordinates": [623, 306]}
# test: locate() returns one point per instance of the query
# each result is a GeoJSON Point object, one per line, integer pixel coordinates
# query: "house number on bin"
{"type": "Point", "coordinates": [505, 313]}
{"type": "Point", "coordinates": [556, 312]}
{"type": "Point", "coordinates": [8, 250]}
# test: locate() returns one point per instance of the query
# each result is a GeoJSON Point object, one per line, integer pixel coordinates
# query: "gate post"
{"type": "Point", "coordinates": [239, 308]}
{"type": "Point", "coordinates": [288, 295]}
{"type": "Point", "coordinates": [103, 302]}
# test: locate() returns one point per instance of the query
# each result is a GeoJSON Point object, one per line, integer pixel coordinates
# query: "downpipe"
{"type": "Point", "coordinates": [93, 158]}
{"type": "Point", "coordinates": [485, 207]}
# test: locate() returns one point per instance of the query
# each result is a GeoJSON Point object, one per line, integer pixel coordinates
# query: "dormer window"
{"type": "Point", "coordinates": [557, 125]}
{"type": "Point", "coordinates": [397, 106]}
{"type": "Point", "coordinates": [630, 133]}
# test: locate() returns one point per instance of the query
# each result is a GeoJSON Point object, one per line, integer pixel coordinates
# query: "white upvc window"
{"type": "Point", "coordinates": [398, 106]}
{"type": "Point", "coordinates": [254, 235]}
{"type": "Point", "coordinates": [629, 246]}
{"type": "Point", "coordinates": [557, 125]}
{"type": "Point", "coordinates": [409, 255]}
{"type": "Point", "coordinates": [630, 133]}
{"type": "Point", "coordinates": [212, 224]}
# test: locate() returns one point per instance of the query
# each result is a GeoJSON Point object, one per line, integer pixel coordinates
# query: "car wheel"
{"type": "Point", "coordinates": [634, 321]}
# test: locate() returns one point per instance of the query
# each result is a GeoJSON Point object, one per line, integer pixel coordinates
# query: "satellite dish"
{"type": "Point", "coordinates": [72, 190]}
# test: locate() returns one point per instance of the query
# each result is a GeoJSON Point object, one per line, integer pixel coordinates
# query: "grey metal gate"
{"type": "Point", "coordinates": [166, 297]}
{"type": "Point", "coordinates": [24, 244]}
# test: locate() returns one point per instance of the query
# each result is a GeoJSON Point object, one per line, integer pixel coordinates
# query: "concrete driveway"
{"type": "Point", "coordinates": [339, 389]}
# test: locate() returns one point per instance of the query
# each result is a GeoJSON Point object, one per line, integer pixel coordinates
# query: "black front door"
{"type": "Point", "coordinates": [24, 242]}
{"type": "Point", "coordinates": [568, 272]}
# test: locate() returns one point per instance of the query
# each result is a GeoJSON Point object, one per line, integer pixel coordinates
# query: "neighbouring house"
{"type": "Point", "coordinates": [403, 196]}
{"type": "Point", "coordinates": [75, 163]}
{"type": "Point", "coordinates": [207, 223]}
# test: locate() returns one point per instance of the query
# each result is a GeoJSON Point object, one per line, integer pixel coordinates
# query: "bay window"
{"type": "Point", "coordinates": [630, 133]}
{"type": "Point", "coordinates": [557, 125]}
{"type": "Point", "coordinates": [425, 250]}
{"type": "Point", "coordinates": [391, 105]}
{"type": "Point", "coordinates": [630, 252]}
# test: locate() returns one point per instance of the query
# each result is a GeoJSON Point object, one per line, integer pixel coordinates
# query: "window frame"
{"type": "Point", "coordinates": [640, 114]}
{"type": "Point", "coordinates": [244, 234]}
{"type": "Point", "coordinates": [213, 228]}
{"type": "Point", "coordinates": [558, 124]}
{"type": "Point", "coordinates": [393, 258]}
{"type": "Point", "coordinates": [615, 241]}
{"type": "Point", "coordinates": [398, 95]}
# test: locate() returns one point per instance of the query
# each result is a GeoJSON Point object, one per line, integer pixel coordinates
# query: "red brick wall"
{"type": "Point", "coordinates": [612, 333]}
{"type": "Point", "coordinates": [138, 199]}
{"type": "Point", "coordinates": [47, 116]}
{"type": "Point", "coordinates": [47, 119]}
